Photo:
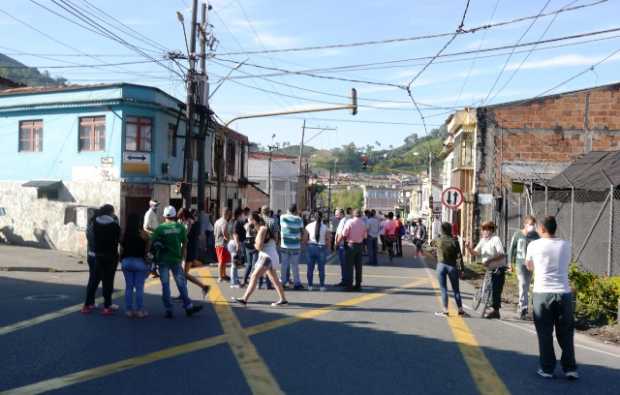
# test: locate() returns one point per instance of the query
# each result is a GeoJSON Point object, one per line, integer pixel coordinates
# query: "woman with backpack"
{"type": "Point", "coordinates": [135, 268]}
{"type": "Point", "coordinates": [266, 263]}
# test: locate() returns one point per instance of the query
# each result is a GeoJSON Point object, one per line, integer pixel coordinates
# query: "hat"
{"type": "Point", "coordinates": [153, 203]}
{"type": "Point", "coordinates": [170, 212]}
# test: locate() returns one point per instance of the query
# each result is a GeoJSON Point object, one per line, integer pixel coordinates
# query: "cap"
{"type": "Point", "coordinates": [153, 203]}
{"type": "Point", "coordinates": [170, 212]}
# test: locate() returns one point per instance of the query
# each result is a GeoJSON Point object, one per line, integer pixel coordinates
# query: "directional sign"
{"type": "Point", "coordinates": [452, 197]}
{"type": "Point", "coordinates": [137, 162]}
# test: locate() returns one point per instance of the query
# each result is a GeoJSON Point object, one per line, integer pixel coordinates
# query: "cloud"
{"type": "Point", "coordinates": [275, 41]}
{"type": "Point", "coordinates": [569, 60]}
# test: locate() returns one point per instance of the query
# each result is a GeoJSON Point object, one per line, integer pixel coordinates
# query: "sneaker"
{"type": "Point", "coordinates": [226, 278]}
{"type": "Point", "coordinates": [193, 310]}
{"type": "Point", "coordinates": [322, 289]}
{"type": "Point", "coordinates": [169, 314]}
{"type": "Point", "coordinates": [279, 303]}
{"type": "Point", "coordinates": [130, 314]}
{"type": "Point", "coordinates": [86, 309]}
{"type": "Point", "coordinates": [107, 311]}
{"type": "Point", "coordinates": [114, 307]}
{"type": "Point", "coordinates": [523, 315]}
{"type": "Point", "coordinates": [544, 375]}
{"type": "Point", "coordinates": [310, 288]}
{"type": "Point", "coordinates": [92, 306]}
{"type": "Point", "coordinates": [220, 279]}
{"type": "Point", "coordinates": [444, 314]}
{"type": "Point", "coordinates": [572, 375]}
{"type": "Point", "coordinates": [235, 286]}
{"type": "Point", "coordinates": [492, 315]}
{"type": "Point", "coordinates": [462, 313]}
{"type": "Point", "coordinates": [142, 314]}
{"type": "Point", "coordinates": [241, 301]}
{"type": "Point", "coordinates": [205, 291]}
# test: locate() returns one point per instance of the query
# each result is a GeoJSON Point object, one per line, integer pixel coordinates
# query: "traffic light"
{"type": "Point", "coordinates": [353, 101]}
{"type": "Point", "coordinates": [364, 159]}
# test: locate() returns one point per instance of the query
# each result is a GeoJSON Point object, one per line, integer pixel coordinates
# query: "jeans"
{"type": "Point", "coordinates": [179, 279]}
{"type": "Point", "coordinates": [354, 260]}
{"type": "Point", "coordinates": [342, 258]}
{"type": "Point", "coordinates": [290, 259]}
{"type": "Point", "coordinates": [399, 245]}
{"type": "Point", "coordinates": [210, 245]}
{"type": "Point", "coordinates": [234, 270]}
{"type": "Point", "coordinates": [250, 258]}
{"type": "Point", "coordinates": [93, 281]}
{"type": "Point", "coordinates": [498, 279]}
{"type": "Point", "coordinates": [372, 251]}
{"type": "Point", "coordinates": [135, 272]}
{"type": "Point", "coordinates": [525, 278]}
{"type": "Point", "coordinates": [316, 256]}
{"type": "Point", "coordinates": [444, 271]}
{"type": "Point", "coordinates": [555, 310]}
{"type": "Point", "coordinates": [106, 269]}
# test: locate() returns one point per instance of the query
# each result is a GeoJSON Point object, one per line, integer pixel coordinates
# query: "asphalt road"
{"type": "Point", "coordinates": [383, 340]}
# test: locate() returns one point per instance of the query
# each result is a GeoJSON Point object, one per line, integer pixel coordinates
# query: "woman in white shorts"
{"type": "Point", "coordinates": [266, 263]}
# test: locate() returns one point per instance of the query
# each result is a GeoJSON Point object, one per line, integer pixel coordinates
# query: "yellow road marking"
{"type": "Point", "coordinates": [484, 375]}
{"type": "Point", "coordinates": [116, 367]}
{"type": "Point", "coordinates": [59, 313]}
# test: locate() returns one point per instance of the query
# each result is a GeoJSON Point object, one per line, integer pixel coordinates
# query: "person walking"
{"type": "Point", "coordinates": [106, 232]}
{"type": "Point", "coordinates": [222, 236]}
{"type": "Point", "coordinates": [273, 224]}
{"type": "Point", "coordinates": [516, 257]}
{"type": "Point", "coordinates": [549, 258]}
{"type": "Point", "coordinates": [93, 278]}
{"type": "Point", "coordinates": [188, 220]}
{"type": "Point", "coordinates": [372, 228]}
{"type": "Point", "coordinates": [292, 235]}
{"type": "Point", "coordinates": [491, 251]}
{"type": "Point", "coordinates": [450, 265]}
{"type": "Point", "coordinates": [133, 264]}
{"type": "Point", "coordinates": [354, 234]}
{"type": "Point", "coordinates": [151, 218]}
{"type": "Point", "coordinates": [266, 263]}
{"type": "Point", "coordinates": [319, 239]}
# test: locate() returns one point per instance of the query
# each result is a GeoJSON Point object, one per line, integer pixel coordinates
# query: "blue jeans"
{"type": "Point", "coordinates": [179, 279]}
{"type": "Point", "coordinates": [372, 251]}
{"type": "Point", "coordinates": [250, 258]}
{"type": "Point", "coordinates": [342, 258]}
{"type": "Point", "coordinates": [290, 259]}
{"type": "Point", "coordinates": [135, 272]}
{"type": "Point", "coordinates": [444, 271]}
{"type": "Point", "coordinates": [316, 255]}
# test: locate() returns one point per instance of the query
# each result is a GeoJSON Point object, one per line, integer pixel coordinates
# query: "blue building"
{"type": "Point", "coordinates": [66, 150]}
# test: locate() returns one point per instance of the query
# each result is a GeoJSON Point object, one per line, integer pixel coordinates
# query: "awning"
{"type": "Point", "coordinates": [44, 185]}
{"type": "Point", "coordinates": [532, 171]}
{"type": "Point", "coordinates": [591, 172]}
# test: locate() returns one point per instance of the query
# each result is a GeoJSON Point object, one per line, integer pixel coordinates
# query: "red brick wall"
{"type": "Point", "coordinates": [256, 199]}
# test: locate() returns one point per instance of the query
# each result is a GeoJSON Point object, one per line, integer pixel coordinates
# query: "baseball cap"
{"type": "Point", "coordinates": [170, 212]}
{"type": "Point", "coordinates": [153, 203]}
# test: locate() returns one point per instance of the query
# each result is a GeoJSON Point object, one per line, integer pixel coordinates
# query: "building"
{"type": "Point", "coordinates": [70, 149]}
{"type": "Point", "coordinates": [230, 160]}
{"type": "Point", "coordinates": [384, 199]}
{"type": "Point", "coordinates": [6, 83]}
{"type": "Point", "coordinates": [495, 150]}
{"type": "Point", "coordinates": [277, 175]}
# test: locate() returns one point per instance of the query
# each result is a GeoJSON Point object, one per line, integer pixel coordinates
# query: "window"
{"type": "Point", "coordinates": [230, 159]}
{"type": "Point", "coordinates": [242, 164]}
{"type": "Point", "coordinates": [31, 136]}
{"type": "Point", "coordinates": [92, 134]}
{"type": "Point", "coordinates": [172, 140]}
{"type": "Point", "coordinates": [138, 134]}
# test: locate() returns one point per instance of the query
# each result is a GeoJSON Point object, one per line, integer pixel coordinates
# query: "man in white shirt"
{"type": "Point", "coordinates": [372, 226]}
{"type": "Point", "coordinates": [549, 258]}
{"type": "Point", "coordinates": [341, 246]}
{"type": "Point", "coordinates": [151, 217]}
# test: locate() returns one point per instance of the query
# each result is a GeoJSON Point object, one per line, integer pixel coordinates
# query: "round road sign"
{"type": "Point", "coordinates": [452, 197]}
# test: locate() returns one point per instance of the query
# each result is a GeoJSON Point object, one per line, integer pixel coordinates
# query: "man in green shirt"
{"type": "Point", "coordinates": [516, 257]}
{"type": "Point", "coordinates": [170, 238]}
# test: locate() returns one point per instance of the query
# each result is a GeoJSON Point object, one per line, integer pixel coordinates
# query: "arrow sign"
{"type": "Point", "coordinates": [137, 162]}
{"type": "Point", "coordinates": [141, 158]}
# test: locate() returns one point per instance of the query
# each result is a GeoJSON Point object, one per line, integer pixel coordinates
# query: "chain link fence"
{"type": "Point", "coordinates": [589, 219]}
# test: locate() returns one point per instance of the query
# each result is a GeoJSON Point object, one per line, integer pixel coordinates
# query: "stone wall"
{"type": "Point", "coordinates": [53, 224]}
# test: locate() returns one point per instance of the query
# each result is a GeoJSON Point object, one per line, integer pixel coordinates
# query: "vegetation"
{"type": "Point", "coordinates": [18, 72]}
{"type": "Point", "coordinates": [353, 198]}
{"type": "Point", "coordinates": [597, 297]}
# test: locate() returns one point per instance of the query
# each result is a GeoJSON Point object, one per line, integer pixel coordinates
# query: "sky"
{"type": "Point", "coordinates": [387, 115]}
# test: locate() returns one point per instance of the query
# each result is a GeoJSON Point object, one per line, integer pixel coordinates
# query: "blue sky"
{"type": "Point", "coordinates": [242, 25]}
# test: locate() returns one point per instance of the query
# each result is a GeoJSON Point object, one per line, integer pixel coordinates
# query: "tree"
{"type": "Point", "coordinates": [353, 198]}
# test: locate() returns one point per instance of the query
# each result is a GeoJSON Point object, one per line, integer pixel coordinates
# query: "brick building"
{"type": "Point", "coordinates": [528, 142]}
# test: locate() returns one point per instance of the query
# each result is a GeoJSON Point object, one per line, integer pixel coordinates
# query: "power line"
{"type": "Point", "coordinates": [413, 38]}
{"type": "Point", "coordinates": [80, 66]}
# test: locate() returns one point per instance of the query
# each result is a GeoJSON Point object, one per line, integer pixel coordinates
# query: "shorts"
{"type": "Point", "coordinates": [223, 256]}
{"type": "Point", "coordinates": [263, 261]}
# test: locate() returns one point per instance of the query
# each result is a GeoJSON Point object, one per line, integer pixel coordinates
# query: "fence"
{"type": "Point", "coordinates": [589, 219]}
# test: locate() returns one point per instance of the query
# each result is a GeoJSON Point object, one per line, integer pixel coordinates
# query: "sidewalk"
{"type": "Point", "coordinates": [29, 259]}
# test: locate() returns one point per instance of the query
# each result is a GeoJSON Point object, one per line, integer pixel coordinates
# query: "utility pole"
{"type": "Point", "coordinates": [186, 188]}
{"type": "Point", "coordinates": [301, 177]}
{"type": "Point", "coordinates": [204, 107]}
{"type": "Point", "coordinates": [271, 149]}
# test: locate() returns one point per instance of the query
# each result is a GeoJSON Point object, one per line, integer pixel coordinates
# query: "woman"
{"type": "Point", "coordinates": [135, 269]}
{"type": "Point", "coordinates": [450, 265]}
{"type": "Point", "coordinates": [491, 251]}
{"type": "Point", "coordinates": [186, 218]}
{"type": "Point", "coordinates": [317, 248]}
{"type": "Point", "coordinates": [266, 263]}
{"type": "Point", "coordinates": [251, 255]}
{"type": "Point", "coordinates": [93, 279]}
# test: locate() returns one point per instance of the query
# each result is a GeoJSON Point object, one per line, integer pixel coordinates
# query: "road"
{"type": "Point", "coordinates": [384, 340]}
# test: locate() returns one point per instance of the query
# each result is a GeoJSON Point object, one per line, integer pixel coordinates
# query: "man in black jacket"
{"type": "Point", "coordinates": [106, 231]}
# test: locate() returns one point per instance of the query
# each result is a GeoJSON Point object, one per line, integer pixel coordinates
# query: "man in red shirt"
{"type": "Point", "coordinates": [354, 234]}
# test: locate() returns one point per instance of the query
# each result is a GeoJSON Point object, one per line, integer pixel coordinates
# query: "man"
{"type": "Point", "coordinates": [353, 235]}
{"type": "Point", "coordinates": [206, 228]}
{"type": "Point", "coordinates": [172, 236]}
{"type": "Point", "coordinates": [334, 221]}
{"type": "Point", "coordinates": [419, 237]}
{"type": "Point", "coordinates": [222, 236]}
{"type": "Point", "coordinates": [151, 217]}
{"type": "Point", "coordinates": [389, 234]}
{"type": "Point", "coordinates": [549, 258]}
{"type": "Point", "coordinates": [106, 236]}
{"type": "Point", "coordinates": [239, 236]}
{"type": "Point", "coordinates": [516, 256]}
{"type": "Point", "coordinates": [372, 228]}
{"type": "Point", "coordinates": [345, 216]}
{"type": "Point", "coordinates": [291, 235]}
{"type": "Point", "coordinates": [400, 232]}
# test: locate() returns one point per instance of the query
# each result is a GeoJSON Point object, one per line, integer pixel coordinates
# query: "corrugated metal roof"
{"type": "Point", "coordinates": [43, 184]}
{"type": "Point", "coordinates": [532, 171]}
{"type": "Point", "coordinates": [587, 172]}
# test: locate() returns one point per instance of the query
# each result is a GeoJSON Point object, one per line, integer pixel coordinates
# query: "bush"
{"type": "Point", "coordinates": [597, 297]}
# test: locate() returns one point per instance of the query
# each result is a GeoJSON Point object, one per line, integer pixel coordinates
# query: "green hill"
{"type": "Point", "coordinates": [18, 72]}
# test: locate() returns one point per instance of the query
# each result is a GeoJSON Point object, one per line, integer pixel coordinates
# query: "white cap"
{"type": "Point", "coordinates": [170, 212]}
{"type": "Point", "coordinates": [153, 203]}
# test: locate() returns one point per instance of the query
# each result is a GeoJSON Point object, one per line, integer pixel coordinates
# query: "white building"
{"type": "Point", "coordinates": [284, 168]}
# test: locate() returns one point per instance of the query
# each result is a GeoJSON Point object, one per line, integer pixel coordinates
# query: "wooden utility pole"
{"type": "Point", "coordinates": [204, 108]}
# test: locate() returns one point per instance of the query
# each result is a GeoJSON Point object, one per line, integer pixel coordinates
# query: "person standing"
{"type": "Point", "coordinates": [400, 232]}
{"type": "Point", "coordinates": [106, 231]}
{"type": "Point", "coordinates": [419, 237]}
{"type": "Point", "coordinates": [549, 258]}
{"type": "Point", "coordinates": [172, 237]}
{"type": "Point", "coordinates": [354, 234]}
{"type": "Point", "coordinates": [341, 246]}
{"type": "Point", "coordinates": [372, 228]}
{"type": "Point", "coordinates": [291, 232]}
{"type": "Point", "coordinates": [222, 236]}
{"type": "Point", "coordinates": [93, 278]}
{"type": "Point", "coordinates": [135, 269]}
{"type": "Point", "coordinates": [188, 220]}
{"type": "Point", "coordinates": [206, 228]}
{"type": "Point", "coordinates": [334, 221]}
{"type": "Point", "coordinates": [450, 265]}
{"type": "Point", "coordinates": [238, 238]}
{"type": "Point", "coordinates": [251, 254]}
{"type": "Point", "coordinates": [151, 218]}
{"type": "Point", "coordinates": [319, 239]}
{"type": "Point", "coordinates": [491, 250]}
{"type": "Point", "coordinates": [389, 234]}
{"type": "Point", "coordinates": [516, 257]}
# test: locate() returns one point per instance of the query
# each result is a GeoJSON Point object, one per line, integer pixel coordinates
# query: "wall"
{"type": "Point", "coordinates": [256, 199]}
